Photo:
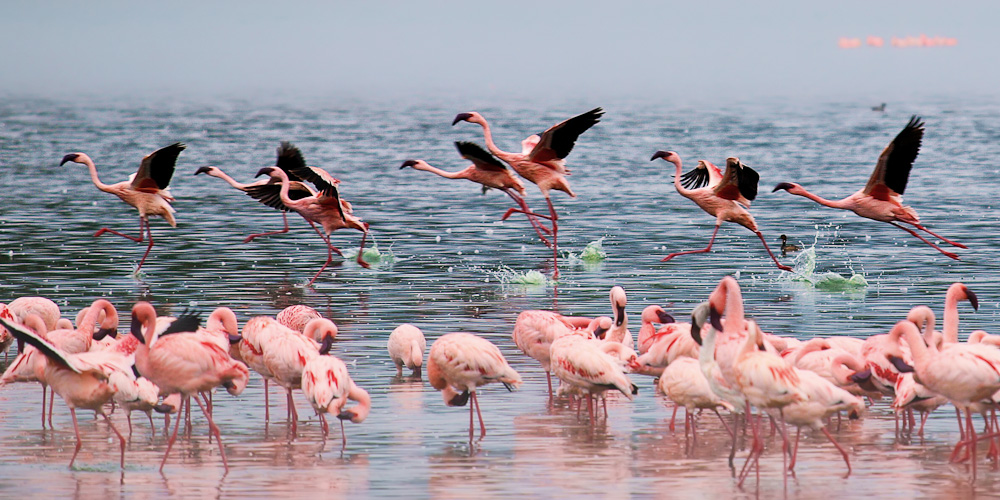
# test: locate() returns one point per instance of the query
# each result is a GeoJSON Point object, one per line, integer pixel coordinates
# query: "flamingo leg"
{"type": "Point", "coordinates": [724, 424]}
{"type": "Point", "coordinates": [472, 405]}
{"type": "Point", "coordinates": [555, 237]}
{"type": "Point", "coordinates": [173, 436]}
{"type": "Point", "coordinates": [214, 429]}
{"type": "Point", "coordinates": [775, 259]}
{"type": "Point", "coordinates": [479, 413]}
{"type": "Point", "coordinates": [840, 448]}
{"type": "Point", "coordinates": [267, 407]}
{"type": "Point", "coordinates": [938, 236]}
{"type": "Point", "coordinates": [152, 426]}
{"type": "Point", "coordinates": [548, 380]}
{"type": "Point", "coordinates": [52, 400]}
{"type": "Point", "coordinates": [330, 249]}
{"type": "Point", "coordinates": [76, 430]}
{"type": "Point", "coordinates": [187, 416]}
{"type": "Point", "coordinates": [925, 240]}
{"type": "Point", "coordinates": [284, 217]}
{"type": "Point", "coordinates": [532, 217]}
{"type": "Point", "coordinates": [703, 250]}
{"type": "Point", "coordinates": [361, 249]}
{"type": "Point", "coordinates": [121, 438]}
{"type": "Point", "coordinates": [293, 415]}
{"type": "Point", "coordinates": [343, 437]}
{"type": "Point", "coordinates": [673, 416]}
{"type": "Point", "coordinates": [128, 417]}
{"type": "Point", "coordinates": [45, 390]}
{"type": "Point", "coordinates": [324, 425]}
{"type": "Point", "coordinates": [795, 449]}
{"type": "Point", "coordinates": [137, 239]}
{"type": "Point", "coordinates": [972, 440]}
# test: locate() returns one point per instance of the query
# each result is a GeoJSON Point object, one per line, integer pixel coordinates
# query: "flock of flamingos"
{"type": "Point", "coordinates": [720, 360]}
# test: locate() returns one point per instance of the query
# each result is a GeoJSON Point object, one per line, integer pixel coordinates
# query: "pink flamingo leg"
{"type": "Point", "coordinates": [284, 217]}
{"type": "Point", "coordinates": [52, 400]}
{"type": "Point", "coordinates": [330, 249]}
{"type": "Point", "coordinates": [555, 238]}
{"type": "Point", "coordinates": [775, 259]}
{"type": "Point", "coordinates": [840, 448]}
{"type": "Point", "coordinates": [532, 217]}
{"type": "Point", "coordinates": [703, 250]}
{"type": "Point", "coordinates": [942, 238]}
{"type": "Point", "coordinates": [292, 413]}
{"type": "Point", "coordinates": [921, 238]}
{"type": "Point", "coordinates": [479, 413]}
{"type": "Point", "coordinates": [795, 449]}
{"type": "Point", "coordinates": [79, 442]}
{"type": "Point", "coordinates": [343, 437]}
{"type": "Point", "coordinates": [267, 407]}
{"type": "Point", "coordinates": [121, 438]}
{"type": "Point", "coordinates": [361, 249]}
{"type": "Point", "coordinates": [214, 429]}
{"type": "Point", "coordinates": [723, 420]}
{"type": "Point", "coordinates": [143, 226]}
{"type": "Point", "coordinates": [472, 405]}
{"type": "Point", "coordinates": [45, 390]}
{"type": "Point", "coordinates": [152, 426]}
{"type": "Point", "coordinates": [673, 417]}
{"type": "Point", "coordinates": [324, 425]}
{"type": "Point", "coordinates": [173, 436]}
{"type": "Point", "coordinates": [971, 446]}
{"type": "Point", "coordinates": [128, 418]}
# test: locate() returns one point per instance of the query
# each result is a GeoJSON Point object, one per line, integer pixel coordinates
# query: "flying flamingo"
{"type": "Point", "coordinates": [326, 208]}
{"type": "Point", "coordinates": [490, 173]}
{"type": "Point", "coordinates": [727, 196]}
{"type": "Point", "coordinates": [542, 161]}
{"type": "Point", "coordinates": [147, 190]}
{"type": "Point", "coordinates": [328, 386]}
{"type": "Point", "coordinates": [178, 361]}
{"type": "Point", "coordinates": [458, 363]}
{"type": "Point", "coordinates": [585, 366]}
{"type": "Point", "coordinates": [81, 379]}
{"type": "Point", "coordinates": [882, 197]}
{"type": "Point", "coordinates": [406, 346]}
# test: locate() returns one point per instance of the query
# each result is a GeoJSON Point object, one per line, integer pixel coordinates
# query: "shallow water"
{"type": "Point", "coordinates": [455, 267]}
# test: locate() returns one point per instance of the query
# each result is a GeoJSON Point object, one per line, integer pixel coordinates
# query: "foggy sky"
{"type": "Point", "coordinates": [726, 50]}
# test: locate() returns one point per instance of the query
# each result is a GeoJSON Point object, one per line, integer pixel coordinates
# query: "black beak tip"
{"type": "Point", "coordinates": [202, 170]}
{"type": "Point", "coordinates": [461, 117]}
{"type": "Point", "coordinates": [696, 334]}
{"type": "Point", "coordinates": [408, 163]}
{"type": "Point", "coordinates": [972, 299]}
{"type": "Point", "coordinates": [264, 171]}
{"type": "Point", "coordinates": [68, 158]}
{"type": "Point", "coordinates": [782, 185]}
{"type": "Point", "coordinates": [658, 154]}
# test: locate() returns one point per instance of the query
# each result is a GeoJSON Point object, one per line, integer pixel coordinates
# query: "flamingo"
{"type": "Point", "coordinates": [45, 308]}
{"type": "Point", "coordinates": [82, 379]}
{"type": "Point", "coordinates": [683, 382]}
{"type": "Point", "coordinates": [585, 366]}
{"type": "Point", "coordinates": [406, 346]}
{"type": "Point", "coordinates": [913, 396]}
{"type": "Point", "coordinates": [134, 394]}
{"type": "Point", "coordinates": [956, 292]}
{"type": "Point", "coordinates": [536, 329]}
{"type": "Point", "coordinates": [6, 339]}
{"type": "Point", "coordinates": [882, 197]}
{"type": "Point", "coordinates": [328, 386]}
{"type": "Point", "coordinates": [488, 171]}
{"type": "Point", "coordinates": [727, 197]}
{"type": "Point", "coordinates": [266, 192]}
{"type": "Point", "coordinates": [178, 361]}
{"type": "Point", "coordinates": [542, 161]}
{"type": "Point", "coordinates": [326, 208]}
{"type": "Point", "coordinates": [648, 333]}
{"type": "Point", "coordinates": [286, 355]}
{"type": "Point", "coordinates": [297, 316]}
{"type": "Point", "coordinates": [458, 363]}
{"type": "Point", "coordinates": [147, 190]}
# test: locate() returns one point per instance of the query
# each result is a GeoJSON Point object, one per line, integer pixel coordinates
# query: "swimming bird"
{"type": "Point", "coordinates": [406, 346]}
{"type": "Point", "coordinates": [787, 248]}
{"type": "Point", "coordinates": [328, 387]}
{"type": "Point", "coordinates": [147, 190]}
{"type": "Point", "coordinates": [726, 197]}
{"type": "Point", "coordinates": [882, 197]}
{"type": "Point", "coordinates": [459, 363]}
{"type": "Point", "coordinates": [542, 161]}
{"type": "Point", "coordinates": [326, 208]}
{"type": "Point", "coordinates": [880, 108]}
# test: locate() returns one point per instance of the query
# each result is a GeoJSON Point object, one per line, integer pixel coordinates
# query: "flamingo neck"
{"type": "Point", "coordinates": [488, 137]}
{"type": "Point", "coordinates": [283, 193]}
{"type": "Point", "coordinates": [224, 176]}
{"type": "Point", "coordinates": [461, 174]}
{"type": "Point", "coordinates": [842, 367]}
{"type": "Point", "coordinates": [93, 175]}
{"type": "Point", "coordinates": [364, 405]}
{"type": "Point", "coordinates": [706, 353]}
{"type": "Point", "coordinates": [950, 319]}
{"type": "Point", "coordinates": [841, 204]}
{"type": "Point", "coordinates": [416, 354]}
{"type": "Point", "coordinates": [918, 350]}
{"type": "Point", "coordinates": [678, 170]}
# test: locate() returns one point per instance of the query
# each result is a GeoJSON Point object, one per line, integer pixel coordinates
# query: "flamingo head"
{"type": "Point", "coordinates": [472, 117]}
{"type": "Point", "coordinates": [618, 303]}
{"type": "Point", "coordinates": [72, 157]}
{"type": "Point", "coordinates": [656, 314]}
{"type": "Point", "coordinates": [412, 163]}
{"type": "Point", "coordinates": [666, 155]}
{"type": "Point", "coordinates": [210, 170]}
{"type": "Point", "coordinates": [698, 316]}
{"type": "Point", "coordinates": [960, 291]}
{"type": "Point", "coordinates": [603, 325]}
{"type": "Point", "coordinates": [266, 171]}
{"type": "Point", "coordinates": [791, 187]}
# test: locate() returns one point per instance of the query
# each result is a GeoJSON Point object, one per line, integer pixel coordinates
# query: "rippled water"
{"type": "Point", "coordinates": [454, 266]}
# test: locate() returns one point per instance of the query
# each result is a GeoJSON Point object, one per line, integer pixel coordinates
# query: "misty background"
{"type": "Point", "coordinates": [719, 51]}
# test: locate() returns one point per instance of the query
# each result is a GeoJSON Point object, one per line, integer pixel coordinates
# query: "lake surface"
{"type": "Point", "coordinates": [449, 264]}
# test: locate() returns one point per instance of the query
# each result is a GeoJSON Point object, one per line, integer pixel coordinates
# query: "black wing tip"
{"type": "Point", "coordinates": [187, 322]}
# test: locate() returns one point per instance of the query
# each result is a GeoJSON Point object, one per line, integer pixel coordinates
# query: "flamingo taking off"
{"type": "Point", "coordinates": [727, 196]}
{"type": "Point", "coordinates": [542, 161]}
{"type": "Point", "coordinates": [406, 346]}
{"type": "Point", "coordinates": [147, 190]}
{"type": "Point", "coordinates": [882, 197]}
{"type": "Point", "coordinates": [326, 208]}
{"type": "Point", "coordinates": [459, 363]}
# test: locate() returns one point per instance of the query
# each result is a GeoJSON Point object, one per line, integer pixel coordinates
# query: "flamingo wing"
{"type": "Point", "coordinates": [481, 158]}
{"type": "Point", "coordinates": [558, 140]}
{"type": "Point", "coordinates": [696, 178]}
{"type": "Point", "coordinates": [41, 344]}
{"type": "Point", "coordinates": [157, 168]}
{"type": "Point", "coordinates": [894, 164]}
{"type": "Point", "coordinates": [270, 193]}
{"type": "Point", "coordinates": [185, 323]}
{"type": "Point", "coordinates": [289, 159]}
{"type": "Point", "coordinates": [325, 183]}
{"type": "Point", "coordinates": [529, 143]}
{"type": "Point", "coordinates": [739, 183]}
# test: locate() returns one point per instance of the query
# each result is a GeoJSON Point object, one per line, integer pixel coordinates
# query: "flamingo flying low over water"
{"type": "Point", "coordinates": [147, 190]}
{"type": "Point", "coordinates": [542, 161]}
{"type": "Point", "coordinates": [882, 197]}
{"type": "Point", "coordinates": [727, 196]}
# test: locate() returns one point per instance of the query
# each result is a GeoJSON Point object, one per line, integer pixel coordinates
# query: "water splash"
{"type": "Point", "coordinates": [508, 276]}
{"type": "Point", "coordinates": [372, 255]}
{"type": "Point", "coordinates": [804, 271]}
{"type": "Point", "coordinates": [593, 253]}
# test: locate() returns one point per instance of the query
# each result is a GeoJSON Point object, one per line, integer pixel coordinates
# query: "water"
{"type": "Point", "coordinates": [447, 263]}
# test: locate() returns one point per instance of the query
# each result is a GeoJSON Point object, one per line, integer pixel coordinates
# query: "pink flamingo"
{"type": "Point", "coordinates": [45, 308]}
{"type": "Point", "coordinates": [6, 339]}
{"type": "Point", "coordinates": [326, 208]}
{"type": "Point", "coordinates": [179, 361]}
{"type": "Point", "coordinates": [956, 292]}
{"type": "Point", "coordinates": [536, 329]}
{"type": "Point", "coordinates": [134, 394]}
{"type": "Point", "coordinates": [822, 400]}
{"type": "Point", "coordinates": [619, 331]}
{"type": "Point", "coordinates": [406, 346]}
{"type": "Point", "coordinates": [912, 396]}
{"type": "Point", "coordinates": [648, 334]}
{"type": "Point", "coordinates": [297, 317]}
{"type": "Point", "coordinates": [81, 379]}
{"type": "Point", "coordinates": [147, 190]}
{"type": "Point", "coordinates": [490, 173]}
{"type": "Point", "coordinates": [542, 161]}
{"type": "Point", "coordinates": [256, 333]}
{"type": "Point", "coordinates": [458, 363]}
{"type": "Point", "coordinates": [683, 382]}
{"type": "Point", "coordinates": [882, 197]}
{"type": "Point", "coordinates": [585, 366]}
{"type": "Point", "coordinates": [727, 197]}
{"type": "Point", "coordinates": [328, 386]}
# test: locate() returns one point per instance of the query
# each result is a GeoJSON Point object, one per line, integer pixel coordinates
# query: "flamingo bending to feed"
{"type": "Point", "coordinates": [488, 171]}
{"type": "Point", "coordinates": [326, 208]}
{"type": "Point", "coordinates": [882, 197]}
{"type": "Point", "coordinates": [82, 379]}
{"type": "Point", "coordinates": [683, 382]}
{"type": "Point", "coordinates": [727, 197]}
{"type": "Point", "coordinates": [43, 307]}
{"type": "Point", "coordinates": [406, 346]}
{"type": "Point", "coordinates": [328, 386]}
{"type": "Point", "coordinates": [147, 190]}
{"type": "Point", "coordinates": [584, 365]}
{"type": "Point", "coordinates": [178, 360]}
{"type": "Point", "coordinates": [542, 161]}
{"type": "Point", "coordinates": [285, 356]}
{"type": "Point", "coordinates": [458, 363]}
{"type": "Point", "coordinates": [297, 317]}
{"type": "Point", "coordinates": [536, 329]}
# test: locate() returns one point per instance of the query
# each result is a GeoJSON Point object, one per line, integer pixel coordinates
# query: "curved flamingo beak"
{"type": "Point", "coordinates": [660, 154]}
{"type": "Point", "coordinates": [784, 185]}
{"type": "Point", "coordinates": [70, 157]}
{"type": "Point", "coordinates": [136, 329]}
{"type": "Point", "coordinates": [203, 170]}
{"type": "Point", "coordinates": [409, 163]}
{"type": "Point", "coordinates": [264, 171]}
{"type": "Point", "coordinates": [664, 317]}
{"type": "Point", "coordinates": [900, 365]}
{"type": "Point", "coordinates": [715, 318]}
{"type": "Point", "coordinates": [235, 339]}
{"type": "Point", "coordinates": [461, 117]}
{"type": "Point", "coordinates": [600, 332]}
{"type": "Point", "coordinates": [972, 298]}
{"type": "Point", "coordinates": [326, 345]}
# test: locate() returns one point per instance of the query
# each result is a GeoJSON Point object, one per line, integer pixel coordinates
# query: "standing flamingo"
{"type": "Point", "coordinates": [328, 386]}
{"type": "Point", "coordinates": [286, 355]}
{"type": "Point", "coordinates": [683, 382]}
{"type": "Point", "coordinates": [326, 208]}
{"type": "Point", "coordinates": [585, 366]}
{"type": "Point", "coordinates": [178, 361]}
{"type": "Point", "coordinates": [147, 190]}
{"type": "Point", "coordinates": [536, 329]}
{"type": "Point", "coordinates": [619, 331]}
{"type": "Point", "coordinates": [406, 346]}
{"type": "Point", "coordinates": [81, 379]}
{"type": "Point", "coordinates": [727, 197]}
{"type": "Point", "coordinates": [882, 197]}
{"type": "Point", "coordinates": [542, 161]}
{"type": "Point", "coordinates": [459, 363]}
{"type": "Point", "coordinates": [297, 317]}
